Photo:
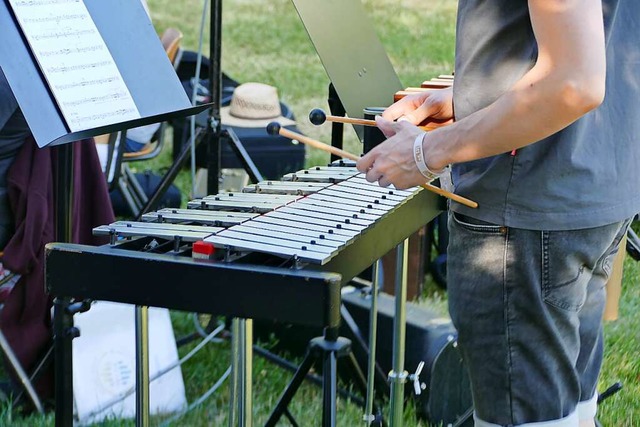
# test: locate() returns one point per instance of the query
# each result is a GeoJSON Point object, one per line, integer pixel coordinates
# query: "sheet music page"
{"type": "Point", "coordinates": [76, 62]}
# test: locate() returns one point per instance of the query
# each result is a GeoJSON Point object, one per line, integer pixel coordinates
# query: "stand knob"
{"type": "Point", "coordinates": [415, 377]}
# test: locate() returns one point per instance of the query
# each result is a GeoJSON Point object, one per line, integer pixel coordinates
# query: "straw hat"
{"type": "Point", "coordinates": [254, 105]}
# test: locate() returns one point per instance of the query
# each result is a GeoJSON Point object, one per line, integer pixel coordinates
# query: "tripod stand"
{"type": "Point", "coordinates": [328, 348]}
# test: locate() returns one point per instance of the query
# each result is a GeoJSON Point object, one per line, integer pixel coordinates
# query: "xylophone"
{"type": "Point", "coordinates": [441, 82]}
{"type": "Point", "coordinates": [283, 251]}
{"type": "Point", "coordinates": [307, 219]}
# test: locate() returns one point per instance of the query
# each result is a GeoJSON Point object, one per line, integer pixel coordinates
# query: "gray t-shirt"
{"type": "Point", "coordinates": [13, 126]}
{"type": "Point", "coordinates": [584, 176]}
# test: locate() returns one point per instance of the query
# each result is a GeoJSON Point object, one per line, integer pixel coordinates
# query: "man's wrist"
{"type": "Point", "coordinates": [421, 161]}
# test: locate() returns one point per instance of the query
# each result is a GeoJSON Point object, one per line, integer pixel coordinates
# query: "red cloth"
{"type": "Point", "coordinates": [26, 316]}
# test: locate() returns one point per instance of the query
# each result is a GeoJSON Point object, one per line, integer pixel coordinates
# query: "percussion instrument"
{"type": "Point", "coordinates": [440, 82]}
{"type": "Point", "coordinates": [283, 250]}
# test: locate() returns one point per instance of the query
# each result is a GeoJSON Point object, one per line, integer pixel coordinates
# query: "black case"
{"type": "Point", "coordinates": [274, 156]}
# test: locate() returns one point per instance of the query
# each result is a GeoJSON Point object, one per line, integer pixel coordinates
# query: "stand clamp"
{"type": "Point", "coordinates": [400, 378]}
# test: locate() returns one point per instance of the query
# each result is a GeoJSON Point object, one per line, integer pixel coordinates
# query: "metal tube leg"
{"type": "Point", "coordinates": [398, 375]}
{"type": "Point", "coordinates": [245, 404]}
{"type": "Point", "coordinates": [63, 360]}
{"type": "Point", "coordinates": [142, 366]}
{"type": "Point", "coordinates": [330, 389]}
{"type": "Point", "coordinates": [241, 361]}
{"type": "Point", "coordinates": [235, 374]}
{"type": "Point", "coordinates": [369, 416]}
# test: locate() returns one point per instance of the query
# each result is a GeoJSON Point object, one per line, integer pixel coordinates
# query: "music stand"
{"type": "Point", "coordinates": [351, 53]}
{"type": "Point", "coordinates": [363, 77]}
{"type": "Point", "coordinates": [143, 67]}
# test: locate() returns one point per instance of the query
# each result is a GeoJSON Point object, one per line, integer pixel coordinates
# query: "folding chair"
{"type": "Point", "coordinates": [7, 282]}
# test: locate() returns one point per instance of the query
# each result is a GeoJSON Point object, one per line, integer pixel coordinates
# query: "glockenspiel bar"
{"type": "Point", "coordinates": [312, 175]}
{"type": "Point", "coordinates": [320, 218]}
{"type": "Point", "coordinates": [377, 202]}
{"type": "Point", "coordinates": [349, 203]}
{"type": "Point", "coordinates": [329, 214]}
{"type": "Point", "coordinates": [371, 192]}
{"type": "Point", "coordinates": [330, 225]}
{"type": "Point", "coordinates": [343, 169]}
{"type": "Point", "coordinates": [360, 179]}
{"type": "Point", "coordinates": [285, 187]}
{"type": "Point", "coordinates": [271, 225]}
{"type": "Point", "coordinates": [374, 188]}
{"type": "Point", "coordinates": [205, 217]}
{"type": "Point", "coordinates": [254, 197]}
{"type": "Point", "coordinates": [316, 200]}
{"type": "Point", "coordinates": [336, 234]}
{"type": "Point", "coordinates": [285, 237]}
{"type": "Point", "coordinates": [187, 233]}
{"type": "Point", "coordinates": [278, 242]}
{"type": "Point", "coordinates": [314, 205]}
{"type": "Point", "coordinates": [244, 245]}
{"type": "Point", "coordinates": [315, 178]}
{"type": "Point", "coordinates": [232, 205]}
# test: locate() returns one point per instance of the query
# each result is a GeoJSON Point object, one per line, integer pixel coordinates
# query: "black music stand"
{"type": "Point", "coordinates": [144, 67]}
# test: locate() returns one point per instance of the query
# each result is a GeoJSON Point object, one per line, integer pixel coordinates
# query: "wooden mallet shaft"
{"type": "Point", "coordinates": [275, 129]}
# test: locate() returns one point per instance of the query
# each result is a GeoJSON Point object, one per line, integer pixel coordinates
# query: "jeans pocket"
{"type": "Point", "coordinates": [565, 278]}
{"type": "Point", "coordinates": [612, 251]}
{"type": "Point", "coordinates": [477, 226]}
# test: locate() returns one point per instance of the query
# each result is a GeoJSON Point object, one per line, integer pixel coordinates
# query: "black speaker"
{"type": "Point", "coordinates": [430, 338]}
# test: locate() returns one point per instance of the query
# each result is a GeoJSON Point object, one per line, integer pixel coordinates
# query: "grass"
{"type": "Point", "coordinates": [264, 41]}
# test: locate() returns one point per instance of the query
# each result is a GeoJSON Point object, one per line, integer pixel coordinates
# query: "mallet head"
{"type": "Point", "coordinates": [273, 128]}
{"type": "Point", "coordinates": [317, 117]}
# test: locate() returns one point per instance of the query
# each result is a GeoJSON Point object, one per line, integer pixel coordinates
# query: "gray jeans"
{"type": "Point", "coordinates": [528, 307]}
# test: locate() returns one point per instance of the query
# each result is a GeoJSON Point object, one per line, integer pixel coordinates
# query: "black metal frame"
{"type": "Point", "coordinates": [337, 129]}
{"type": "Point", "coordinates": [63, 330]}
{"type": "Point", "coordinates": [327, 348]}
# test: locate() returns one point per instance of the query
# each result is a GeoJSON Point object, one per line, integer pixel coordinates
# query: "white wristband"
{"type": "Point", "coordinates": [421, 163]}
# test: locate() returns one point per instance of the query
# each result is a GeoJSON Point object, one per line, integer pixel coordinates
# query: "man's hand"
{"type": "Point", "coordinates": [392, 161]}
{"type": "Point", "coordinates": [433, 104]}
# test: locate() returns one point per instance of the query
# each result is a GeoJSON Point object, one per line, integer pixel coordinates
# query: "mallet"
{"type": "Point", "coordinates": [274, 128]}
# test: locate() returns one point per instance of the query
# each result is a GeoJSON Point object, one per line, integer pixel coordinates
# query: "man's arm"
{"type": "Point", "coordinates": [566, 82]}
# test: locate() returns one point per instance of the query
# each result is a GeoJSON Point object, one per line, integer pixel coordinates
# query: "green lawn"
{"type": "Point", "coordinates": [264, 41]}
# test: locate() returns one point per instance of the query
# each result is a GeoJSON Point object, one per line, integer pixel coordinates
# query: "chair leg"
{"type": "Point", "coordinates": [140, 194]}
{"type": "Point", "coordinates": [123, 186]}
{"type": "Point", "coordinates": [20, 373]}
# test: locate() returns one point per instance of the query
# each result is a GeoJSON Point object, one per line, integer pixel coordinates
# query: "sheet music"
{"type": "Point", "coordinates": [76, 62]}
